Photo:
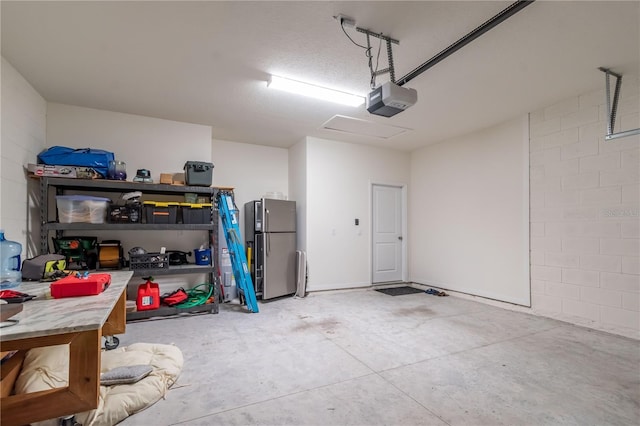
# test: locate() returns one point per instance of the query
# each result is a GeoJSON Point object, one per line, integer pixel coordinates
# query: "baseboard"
{"type": "Point", "coordinates": [334, 286]}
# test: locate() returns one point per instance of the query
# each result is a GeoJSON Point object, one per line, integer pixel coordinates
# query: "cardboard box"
{"type": "Point", "coordinates": [53, 171]}
{"type": "Point", "coordinates": [166, 178]}
{"type": "Point", "coordinates": [73, 172]}
{"type": "Point", "coordinates": [178, 179]}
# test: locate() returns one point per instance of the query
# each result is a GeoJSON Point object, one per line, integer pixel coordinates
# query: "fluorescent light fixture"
{"type": "Point", "coordinates": [313, 91]}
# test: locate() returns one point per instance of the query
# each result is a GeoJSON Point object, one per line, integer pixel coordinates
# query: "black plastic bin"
{"type": "Point", "coordinates": [161, 212]}
{"type": "Point", "coordinates": [195, 213]}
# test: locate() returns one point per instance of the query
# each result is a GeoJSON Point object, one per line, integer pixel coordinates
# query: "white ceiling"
{"type": "Point", "coordinates": [208, 62]}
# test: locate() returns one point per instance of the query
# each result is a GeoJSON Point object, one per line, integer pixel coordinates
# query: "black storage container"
{"type": "Point", "coordinates": [161, 212]}
{"type": "Point", "coordinates": [195, 213]}
{"type": "Point", "coordinates": [198, 173]}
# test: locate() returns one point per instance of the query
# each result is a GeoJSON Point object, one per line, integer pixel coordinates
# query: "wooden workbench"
{"type": "Point", "coordinates": [79, 322]}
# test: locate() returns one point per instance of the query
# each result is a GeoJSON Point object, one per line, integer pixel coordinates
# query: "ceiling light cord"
{"type": "Point", "coordinates": [349, 37]}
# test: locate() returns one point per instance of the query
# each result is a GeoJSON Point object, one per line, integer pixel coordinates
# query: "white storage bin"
{"type": "Point", "coordinates": [81, 208]}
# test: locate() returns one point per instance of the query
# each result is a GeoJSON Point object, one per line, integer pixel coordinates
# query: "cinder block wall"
{"type": "Point", "coordinates": [585, 245]}
{"type": "Point", "coordinates": [24, 124]}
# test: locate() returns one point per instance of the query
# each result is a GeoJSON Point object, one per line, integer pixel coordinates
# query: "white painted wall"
{"type": "Point", "coordinates": [298, 189]}
{"type": "Point", "coordinates": [584, 196]}
{"type": "Point", "coordinates": [339, 177]}
{"type": "Point", "coordinates": [468, 214]}
{"type": "Point", "coordinates": [161, 146]}
{"type": "Point", "coordinates": [585, 245]}
{"type": "Point", "coordinates": [252, 170]}
{"type": "Point", "coordinates": [23, 132]}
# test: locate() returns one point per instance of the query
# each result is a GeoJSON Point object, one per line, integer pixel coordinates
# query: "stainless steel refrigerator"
{"type": "Point", "coordinates": [270, 231]}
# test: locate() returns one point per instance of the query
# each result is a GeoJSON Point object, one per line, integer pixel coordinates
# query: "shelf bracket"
{"type": "Point", "coordinates": [612, 107]}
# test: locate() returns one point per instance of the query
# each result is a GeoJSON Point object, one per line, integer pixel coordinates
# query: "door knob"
{"type": "Point", "coordinates": [400, 237]}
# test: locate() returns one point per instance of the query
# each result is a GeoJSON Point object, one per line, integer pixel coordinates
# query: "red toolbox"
{"type": "Point", "coordinates": [73, 286]}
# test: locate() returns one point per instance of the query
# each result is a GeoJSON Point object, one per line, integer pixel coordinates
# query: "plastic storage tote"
{"type": "Point", "coordinates": [195, 213]}
{"type": "Point", "coordinates": [161, 212]}
{"type": "Point", "coordinates": [198, 173]}
{"type": "Point", "coordinates": [81, 208]}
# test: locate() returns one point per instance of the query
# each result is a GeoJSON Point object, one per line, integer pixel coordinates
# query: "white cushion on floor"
{"type": "Point", "coordinates": [47, 368]}
{"type": "Point", "coordinates": [43, 369]}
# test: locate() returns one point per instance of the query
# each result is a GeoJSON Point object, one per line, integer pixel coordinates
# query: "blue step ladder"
{"type": "Point", "coordinates": [229, 216]}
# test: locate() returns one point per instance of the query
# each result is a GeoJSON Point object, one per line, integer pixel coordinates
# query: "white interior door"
{"type": "Point", "coordinates": [387, 233]}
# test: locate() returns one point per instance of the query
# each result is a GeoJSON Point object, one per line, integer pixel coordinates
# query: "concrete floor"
{"type": "Point", "coordinates": [365, 358]}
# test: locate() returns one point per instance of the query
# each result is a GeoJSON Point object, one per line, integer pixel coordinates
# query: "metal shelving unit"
{"type": "Point", "coordinates": [51, 186]}
{"type": "Point", "coordinates": [126, 227]}
{"type": "Point", "coordinates": [165, 311]}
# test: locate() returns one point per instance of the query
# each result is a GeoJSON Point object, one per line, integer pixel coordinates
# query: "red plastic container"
{"type": "Point", "coordinates": [148, 296]}
{"type": "Point", "coordinates": [73, 286]}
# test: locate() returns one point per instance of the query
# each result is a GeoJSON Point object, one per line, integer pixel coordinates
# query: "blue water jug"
{"type": "Point", "coordinates": [10, 251]}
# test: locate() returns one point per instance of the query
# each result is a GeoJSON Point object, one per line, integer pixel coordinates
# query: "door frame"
{"type": "Point", "coordinates": [405, 236]}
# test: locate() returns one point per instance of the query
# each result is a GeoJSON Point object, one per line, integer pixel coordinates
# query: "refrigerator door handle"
{"type": "Point", "coordinates": [268, 243]}
{"type": "Point", "coordinates": [266, 221]}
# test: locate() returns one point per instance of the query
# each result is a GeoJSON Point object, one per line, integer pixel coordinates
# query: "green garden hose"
{"type": "Point", "coordinates": [197, 296]}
